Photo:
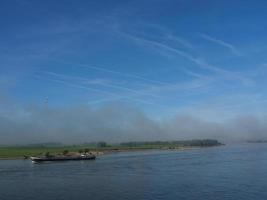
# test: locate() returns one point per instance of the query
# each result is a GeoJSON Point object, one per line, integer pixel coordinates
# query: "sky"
{"type": "Point", "coordinates": [76, 71]}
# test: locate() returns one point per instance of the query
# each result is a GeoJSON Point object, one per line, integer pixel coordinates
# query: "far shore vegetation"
{"type": "Point", "coordinates": [24, 151]}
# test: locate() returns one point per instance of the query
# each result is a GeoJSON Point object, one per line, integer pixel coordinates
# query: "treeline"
{"type": "Point", "coordinates": [58, 148]}
{"type": "Point", "coordinates": [257, 141]}
{"type": "Point", "coordinates": [134, 144]}
{"type": "Point", "coordinates": [182, 143]}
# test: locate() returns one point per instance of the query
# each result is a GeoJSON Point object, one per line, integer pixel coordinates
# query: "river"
{"type": "Point", "coordinates": [219, 173]}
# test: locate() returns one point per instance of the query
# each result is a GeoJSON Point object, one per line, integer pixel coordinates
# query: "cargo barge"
{"type": "Point", "coordinates": [62, 158]}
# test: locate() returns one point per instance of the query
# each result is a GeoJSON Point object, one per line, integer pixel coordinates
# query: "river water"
{"type": "Point", "coordinates": [228, 172]}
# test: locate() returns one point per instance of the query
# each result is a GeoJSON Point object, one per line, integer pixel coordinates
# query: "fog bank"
{"type": "Point", "coordinates": [117, 123]}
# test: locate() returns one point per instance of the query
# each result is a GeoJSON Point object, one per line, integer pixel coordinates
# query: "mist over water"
{"type": "Point", "coordinates": [116, 123]}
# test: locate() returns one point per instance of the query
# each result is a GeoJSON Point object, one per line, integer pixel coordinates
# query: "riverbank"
{"type": "Point", "coordinates": [98, 153]}
{"type": "Point", "coordinates": [24, 152]}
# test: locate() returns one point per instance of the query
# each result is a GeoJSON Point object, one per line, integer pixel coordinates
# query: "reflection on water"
{"type": "Point", "coordinates": [227, 172]}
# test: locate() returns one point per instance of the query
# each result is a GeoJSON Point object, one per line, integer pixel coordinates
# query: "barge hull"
{"type": "Point", "coordinates": [36, 159]}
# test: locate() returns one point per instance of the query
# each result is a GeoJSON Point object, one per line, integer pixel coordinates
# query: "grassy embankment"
{"type": "Point", "coordinates": [13, 152]}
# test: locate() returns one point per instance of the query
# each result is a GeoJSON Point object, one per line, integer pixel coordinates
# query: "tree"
{"type": "Point", "coordinates": [101, 144]}
{"type": "Point", "coordinates": [80, 151]}
{"type": "Point", "coordinates": [86, 150]}
{"type": "Point", "coordinates": [47, 154]}
{"type": "Point", "coordinates": [65, 152]}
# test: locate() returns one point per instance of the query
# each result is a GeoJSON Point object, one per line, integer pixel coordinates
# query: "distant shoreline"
{"type": "Point", "coordinates": [11, 153]}
{"type": "Point", "coordinates": [110, 151]}
{"type": "Point", "coordinates": [107, 152]}
{"type": "Point", "coordinates": [100, 148]}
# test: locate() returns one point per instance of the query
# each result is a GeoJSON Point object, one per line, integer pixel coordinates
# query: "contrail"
{"type": "Point", "coordinates": [104, 84]}
{"type": "Point", "coordinates": [74, 85]}
{"type": "Point", "coordinates": [231, 47]}
{"type": "Point", "coordinates": [99, 91]}
{"type": "Point", "coordinates": [102, 100]}
{"type": "Point", "coordinates": [198, 61]}
{"type": "Point", "coordinates": [115, 72]}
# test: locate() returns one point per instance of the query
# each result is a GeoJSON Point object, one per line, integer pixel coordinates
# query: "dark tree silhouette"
{"type": "Point", "coordinates": [65, 152]}
{"type": "Point", "coordinates": [47, 154]}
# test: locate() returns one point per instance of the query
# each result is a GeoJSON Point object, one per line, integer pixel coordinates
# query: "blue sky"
{"type": "Point", "coordinates": [206, 58]}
